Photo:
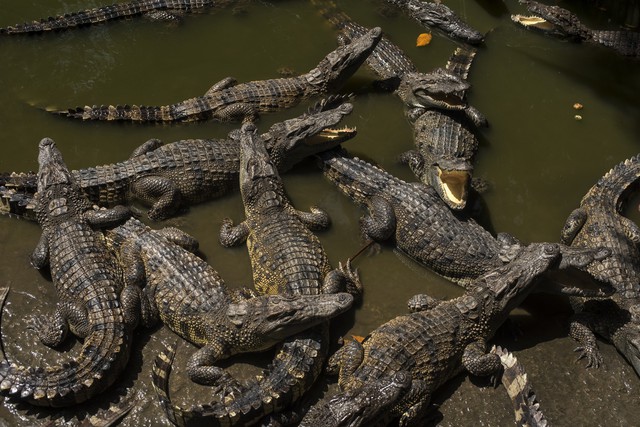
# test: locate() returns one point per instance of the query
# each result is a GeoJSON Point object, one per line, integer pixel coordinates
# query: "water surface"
{"type": "Point", "coordinates": [538, 159]}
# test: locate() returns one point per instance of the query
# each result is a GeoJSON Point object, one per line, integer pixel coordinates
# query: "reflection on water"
{"type": "Point", "coordinates": [538, 159]}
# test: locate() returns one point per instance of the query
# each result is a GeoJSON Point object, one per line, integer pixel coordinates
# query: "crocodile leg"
{"type": "Point", "coordinates": [581, 330]}
{"type": "Point", "coordinates": [105, 218]}
{"type": "Point", "coordinates": [380, 223]}
{"type": "Point", "coordinates": [414, 160]}
{"type": "Point", "coordinates": [231, 235]}
{"type": "Point", "coordinates": [52, 330]}
{"type": "Point", "coordinates": [40, 255]}
{"type": "Point", "coordinates": [315, 220]}
{"type": "Point", "coordinates": [161, 192]}
{"type": "Point", "coordinates": [343, 278]}
{"type": "Point", "coordinates": [417, 403]}
{"type": "Point", "coordinates": [136, 303]}
{"type": "Point", "coordinates": [238, 111]}
{"type": "Point", "coordinates": [573, 225]}
{"type": "Point", "coordinates": [225, 83]}
{"type": "Point", "coordinates": [180, 238]}
{"type": "Point", "coordinates": [422, 302]}
{"type": "Point", "coordinates": [345, 361]}
{"type": "Point", "coordinates": [478, 362]}
{"type": "Point", "coordinates": [631, 230]}
{"type": "Point", "coordinates": [201, 370]}
{"type": "Point", "coordinates": [146, 147]}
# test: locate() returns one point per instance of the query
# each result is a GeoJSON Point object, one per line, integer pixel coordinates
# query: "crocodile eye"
{"type": "Point", "coordinates": [550, 249]}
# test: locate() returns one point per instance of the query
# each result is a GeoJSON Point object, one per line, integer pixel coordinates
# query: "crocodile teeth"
{"type": "Point", "coordinates": [532, 21]}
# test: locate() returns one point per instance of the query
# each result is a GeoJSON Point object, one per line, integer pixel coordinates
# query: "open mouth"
{"type": "Point", "coordinates": [533, 21]}
{"type": "Point", "coordinates": [448, 99]}
{"type": "Point", "coordinates": [454, 185]}
{"type": "Point", "coordinates": [333, 134]}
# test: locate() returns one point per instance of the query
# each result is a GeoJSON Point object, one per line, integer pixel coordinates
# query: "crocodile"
{"type": "Point", "coordinates": [559, 22]}
{"type": "Point", "coordinates": [599, 222]}
{"type": "Point", "coordinates": [445, 143]}
{"type": "Point", "coordinates": [439, 339]}
{"type": "Point", "coordinates": [230, 100]}
{"type": "Point", "coordinates": [172, 176]}
{"type": "Point", "coordinates": [360, 406]}
{"type": "Point", "coordinates": [93, 302]}
{"type": "Point", "coordinates": [443, 135]}
{"type": "Point", "coordinates": [515, 381]}
{"type": "Point", "coordinates": [287, 259]}
{"type": "Point", "coordinates": [415, 219]}
{"type": "Point", "coordinates": [192, 300]}
{"type": "Point", "coordinates": [155, 9]}
{"type": "Point", "coordinates": [436, 14]}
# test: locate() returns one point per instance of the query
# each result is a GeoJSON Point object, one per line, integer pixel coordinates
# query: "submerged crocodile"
{"type": "Point", "coordinates": [286, 259]}
{"type": "Point", "coordinates": [599, 222]}
{"type": "Point", "coordinates": [155, 9]}
{"type": "Point", "coordinates": [436, 14]}
{"type": "Point", "coordinates": [441, 338]}
{"type": "Point", "coordinates": [442, 120]}
{"type": "Point", "coordinates": [515, 381]}
{"type": "Point", "coordinates": [561, 23]}
{"type": "Point", "coordinates": [172, 176]}
{"type": "Point", "coordinates": [445, 143]}
{"type": "Point", "coordinates": [93, 303]}
{"type": "Point", "coordinates": [191, 299]}
{"type": "Point", "coordinates": [229, 100]}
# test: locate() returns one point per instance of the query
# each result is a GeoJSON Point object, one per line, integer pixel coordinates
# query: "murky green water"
{"type": "Point", "coordinates": [538, 159]}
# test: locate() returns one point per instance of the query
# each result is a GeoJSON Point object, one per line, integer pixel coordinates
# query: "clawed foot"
{"type": "Point", "coordinates": [47, 332]}
{"type": "Point", "coordinates": [352, 278]}
{"type": "Point", "coordinates": [594, 359]}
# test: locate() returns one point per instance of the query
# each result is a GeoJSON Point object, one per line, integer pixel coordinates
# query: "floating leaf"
{"type": "Point", "coordinates": [423, 39]}
{"type": "Point", "coordinates": [358, 338]}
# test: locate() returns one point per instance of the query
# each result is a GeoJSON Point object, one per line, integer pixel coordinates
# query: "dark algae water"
{"type": "Point", "coordinates": [537, 158]}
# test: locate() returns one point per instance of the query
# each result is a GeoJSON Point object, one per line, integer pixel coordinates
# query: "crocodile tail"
{"type": "Point", "coordinates": [356, 178]}
{"type": "Point", "coordinates": [16, 194]}
{"type": "Point", "coordinates": [295, 369]}
{"type": "Point", "coordinates": [514, 378]}
{"type": "Point", "coordinates": [133, 113]}
{"type": "Point", "coordinates": [103, 356]}
{"type": "Point", "coordinates": [330, 11]}
{"type": "Point", "coordinates": [616, 183]}
{"type": "Point", "coordinates": [624, 42]}
{"type": "Point", "coordinates": [102, 14]}
{"type": "Point", "coordinates": [460, 61]}
{"type": "Point", "coordinates": [160, 380]}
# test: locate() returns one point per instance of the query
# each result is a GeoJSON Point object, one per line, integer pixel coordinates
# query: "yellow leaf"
{"type": "Point", "coordinates": [358, 338]}
{"type": "Point", "coordinates": [423, 39]}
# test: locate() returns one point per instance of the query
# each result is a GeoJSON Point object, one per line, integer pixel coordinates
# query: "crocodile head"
{"type": "Point", "coordinates": [260, 183]}
{"type": "Point", "coordinates": [361, 405]}
{"type": "Point", "coordinates": [291, 141]}
{"type": "Point", "coordinates": [437, 89]}
{"type": "Point", "coordinates": [334, 69]}
{"type": "Point", "coordinates": [266, 320]}
{"type": "Point", "coordinates": [552, 20]}
{"type": "Point", "coordinates": [511, 283]}
{"type": "Point", "coordinates": [436, 14]}
{"type": "Point", "coordinates": [58, 193]}
{"type": "Point", "coordinates": [451, 180]}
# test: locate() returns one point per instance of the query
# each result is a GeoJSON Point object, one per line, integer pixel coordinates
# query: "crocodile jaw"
{"type": "Point", "coordinates": [533, 21]}
{"type": "Point", "coordinates": [453, 186]}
